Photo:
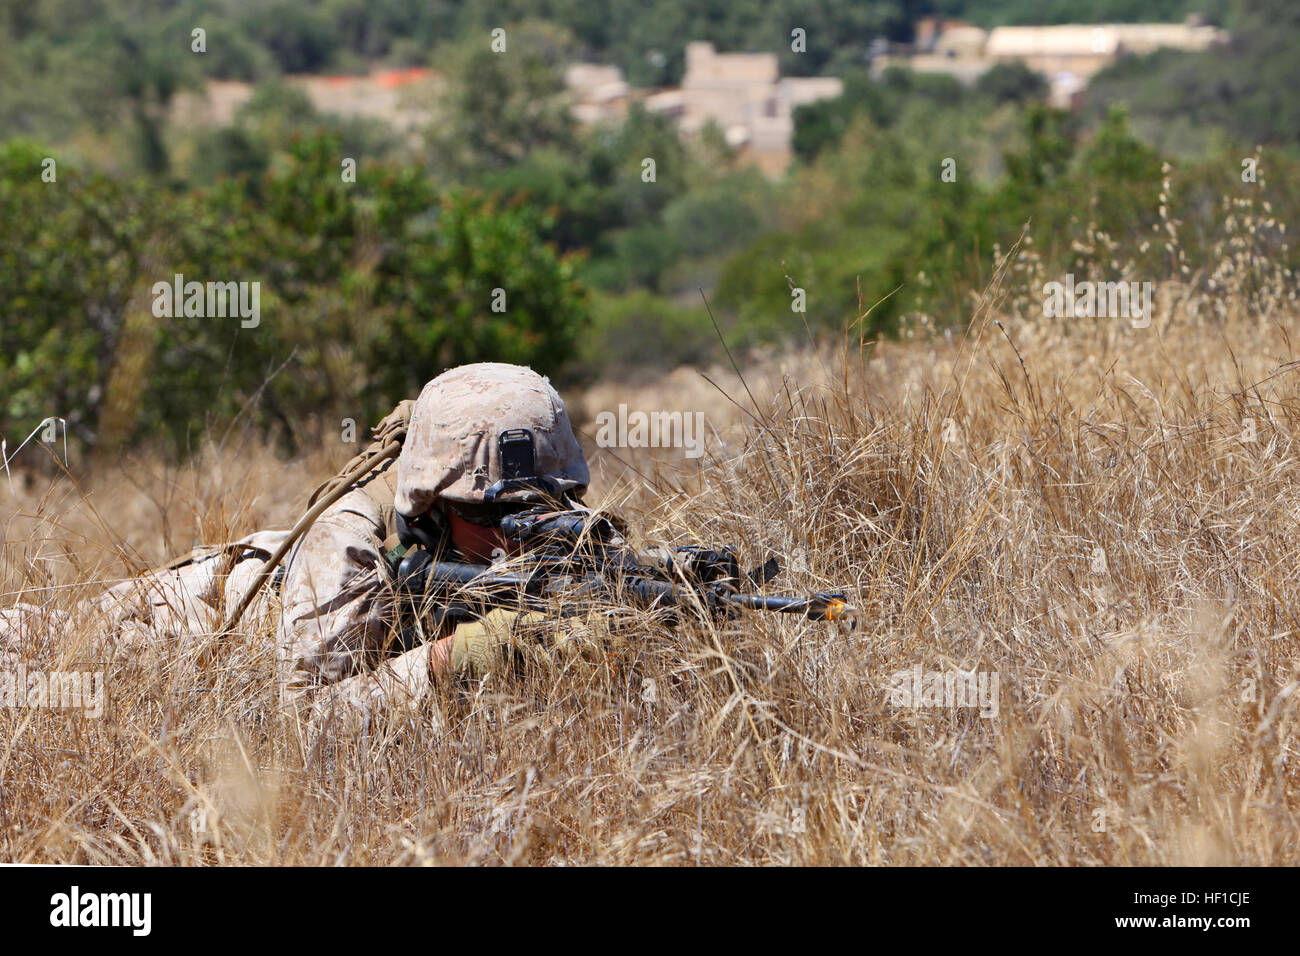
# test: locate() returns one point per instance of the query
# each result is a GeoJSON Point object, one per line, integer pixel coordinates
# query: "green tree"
{"type": "Point", "coordinates": [70, 254]}
{"type": "Point", "coordinates": [1012, 83]}
{"type": "Point", "coordinates": [500, 106]}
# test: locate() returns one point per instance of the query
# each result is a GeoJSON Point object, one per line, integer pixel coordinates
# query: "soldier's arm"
{"type": "Point", "coordinates": [335, 616]}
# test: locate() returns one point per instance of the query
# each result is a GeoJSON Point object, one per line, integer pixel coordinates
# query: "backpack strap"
{"type": "Point", "coordinates": [387, 444]}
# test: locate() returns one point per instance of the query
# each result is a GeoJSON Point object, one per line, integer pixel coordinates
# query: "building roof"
{"type": "Point", "coordinates": [596, 82]}
{"type": "Point", "coordinates": [960, 38]}
{"type": "Point", "coordinates": [1052, 41]}
{"type": "Point", "coordinates": [1107, 39]}
{"type": "Point", "coordinates": [705, 67]}
{"type": "Point", "coordinates": [1145, 37]}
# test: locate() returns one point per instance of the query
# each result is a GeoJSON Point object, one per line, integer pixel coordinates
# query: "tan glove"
{"type": "Point", "coordinates": [505, 638]}
{"type": "Point", "coordinates": [486, 646]}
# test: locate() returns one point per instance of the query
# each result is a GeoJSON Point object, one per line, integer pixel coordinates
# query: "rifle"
{"type": "Point", "coordinates": [578, 560]}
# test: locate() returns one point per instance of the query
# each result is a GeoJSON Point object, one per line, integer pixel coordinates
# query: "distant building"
{"type": "Point", "coordinates": [745, 96]}
{"type": "Point", "coordinates": [386, 95]}
{"type": "Point", "coordinates": [742, 93]}
{"type": "Point", "coordinates": [943, 46]}
{"type": "Point", "coordinates": [601, 92]}
{"type": "Point", "coordinates": [949, 38]}
{"type": "Point", "coordinates": [1068, 56]}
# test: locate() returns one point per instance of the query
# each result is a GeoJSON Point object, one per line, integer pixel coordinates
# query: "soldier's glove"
{"type": "Point", "coordinates": [487, 645]}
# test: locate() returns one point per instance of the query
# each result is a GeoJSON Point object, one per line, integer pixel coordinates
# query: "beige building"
{"type": "Point", "coordinates": [600, 92]}
{"type": "Point", "coordinates": [399, 97]}
{"type": "Point", "coordinates": [949, 38]}
{"type": "Point", "coordinates": [743, 94]}
{"type": "Point", "coordinates": [1068, 55]}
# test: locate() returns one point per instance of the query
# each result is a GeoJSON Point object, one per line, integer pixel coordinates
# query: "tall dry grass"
{"type": "Point", "coordinates": [1080, 507]}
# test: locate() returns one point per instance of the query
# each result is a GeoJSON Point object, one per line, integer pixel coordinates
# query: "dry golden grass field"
{"type": "Point", "coordinates": [1104, 518]}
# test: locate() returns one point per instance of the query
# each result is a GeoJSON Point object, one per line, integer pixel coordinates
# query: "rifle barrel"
{"type": "Point", "coordinates": [448, 578]}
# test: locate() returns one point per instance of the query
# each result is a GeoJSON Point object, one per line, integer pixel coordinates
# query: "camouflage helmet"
{"type": "Point", "coordinates": [453, 446]}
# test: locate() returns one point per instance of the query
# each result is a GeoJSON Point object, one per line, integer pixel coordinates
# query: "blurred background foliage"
{"type": "Point", "coordinates": [369, 288]}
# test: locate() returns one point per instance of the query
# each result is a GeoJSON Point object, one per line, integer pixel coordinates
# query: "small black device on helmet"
{"type": "Point", "coordinates": [517, 453]}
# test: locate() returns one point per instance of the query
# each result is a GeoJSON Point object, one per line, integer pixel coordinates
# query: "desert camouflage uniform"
{"type": "Point", "coordinates": [163, 609]}
{"type": "Point", "coordinates": [188, 598]}
{"type": "Point", "coordinates": [336, 617]}
{"type": "Point", "coordinates": [336, 633]}
{"type": "Point", "coordinates": [337, 629]}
